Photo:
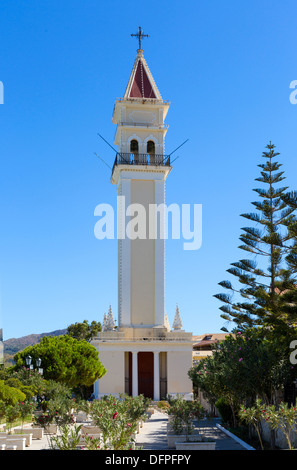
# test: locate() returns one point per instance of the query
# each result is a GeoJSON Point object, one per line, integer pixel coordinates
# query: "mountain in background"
{"type": "Point", "coordinates": [14, 345]}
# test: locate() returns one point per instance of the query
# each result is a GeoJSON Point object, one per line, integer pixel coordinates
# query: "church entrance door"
{"type": "Point", "coordinates": [146, 374]}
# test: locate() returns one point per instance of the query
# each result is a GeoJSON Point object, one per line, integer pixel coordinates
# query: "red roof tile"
{"type": "Point", "coordinates": [141, 86]}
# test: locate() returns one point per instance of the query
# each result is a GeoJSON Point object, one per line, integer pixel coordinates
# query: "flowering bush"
{"type": "Point", "coordinates": [11, 415]}
{"type": "Point", "coordinates": [68, 439]}
{"type": "Point", "coordinates": [253, 416]}
{"type": "Point", "coordinates": [44, 420]}
{"type": "Point", "coordinates": [92, 443]}
{"type": "Point", "coordinates": [183, 413]}
{"type": "Point", "coordinates": [284, 418]}
{"type": "Point", "coordinates": [25, 408]}
{"type": "Point", "coordinates": [117, 419]}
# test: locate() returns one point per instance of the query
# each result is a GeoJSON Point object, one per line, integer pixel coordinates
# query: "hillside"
{"type": "Point", "coordinates": [13, 345]}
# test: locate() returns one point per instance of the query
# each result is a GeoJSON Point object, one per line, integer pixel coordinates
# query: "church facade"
{"type": "Point", "coordinates": [142, 355]}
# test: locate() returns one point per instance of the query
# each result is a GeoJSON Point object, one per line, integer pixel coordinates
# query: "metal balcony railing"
{"type": "Point", "coordinates": [141, 159]}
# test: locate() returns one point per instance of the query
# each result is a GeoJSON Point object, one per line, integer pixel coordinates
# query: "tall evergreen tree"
{"type": "Point", "coordinates": [290, 295]}
{"type": "Point", "coordinates": [269, 241]}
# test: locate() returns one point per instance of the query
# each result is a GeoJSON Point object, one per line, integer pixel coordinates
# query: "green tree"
{"type": "Point", "coordinates": [32, 381]}
{"type": "Point", "coordinates": [65, 359]}
{"type": "Point", "coordinates": [262, 283]}
{"type": "Point", "coordinates": [84, 330]}
{"type": "Point", "coordinates": [242, 368]}
{"type": "Point", "coordinates": [10, 395]}
{"type": "Point", "coordinates": [290, 294]}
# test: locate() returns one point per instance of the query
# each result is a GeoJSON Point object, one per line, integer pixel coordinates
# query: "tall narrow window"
{"type": "Point", "coordinates": [134, 149]}
{"type": "Point", "coordinates": [151, 151]}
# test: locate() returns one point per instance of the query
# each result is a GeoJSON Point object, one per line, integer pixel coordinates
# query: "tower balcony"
{"type": "Point", "coordinates": [143, 159]}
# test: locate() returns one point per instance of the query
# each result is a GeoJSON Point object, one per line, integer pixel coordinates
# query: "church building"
{"type": "Point", "coordinates": [143, 354]}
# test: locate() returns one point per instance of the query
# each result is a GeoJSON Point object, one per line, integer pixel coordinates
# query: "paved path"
{"type": "Point", "coordinates": [153, 435]}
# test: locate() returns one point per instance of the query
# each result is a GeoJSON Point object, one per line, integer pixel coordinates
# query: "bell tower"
{"type": "Point", "coordinates": [142, 354]}
{"type": "Point", "coordinates": [139, 172]}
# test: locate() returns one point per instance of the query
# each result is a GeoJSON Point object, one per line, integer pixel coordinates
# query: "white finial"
{"type": "Point", "coordinates": [104, 322]}
{"type": "Point", "coordinates": [166, 323]}
{"type": "Point", "coordinates": [110, 324]}
{"type": "Point", "coordinates": [177, 323]}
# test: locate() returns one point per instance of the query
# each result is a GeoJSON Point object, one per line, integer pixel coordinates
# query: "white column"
{"type": "Point", "coordinates": [160, 257]}
{"type": "Point", "coordinates": [134, 374]}
{"type": "Point", "coordinates": [156, 376]}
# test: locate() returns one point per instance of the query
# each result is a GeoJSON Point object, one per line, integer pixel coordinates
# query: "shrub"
{"type": "Point", "coordinates": [253, 416]}
{"type": "Point", "coordinates": [225, 410]}
{"type": "Point", "coordinates": [68, 439]}
{"type": "Point", "coordinates": [11, 415]}
{"type": "Point", "coordinates": [284, 418]}
{"type": "Point", "coordinates": [183, 413]}
{"type": "Point", "coordinates": [163, 405]}
{"type": "Point", "coordinates": [25, 409]}
{"type": "Point", "coordinates": [117, 419]}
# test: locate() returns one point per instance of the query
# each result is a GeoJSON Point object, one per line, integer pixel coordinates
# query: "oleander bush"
{"type": "Point", "coordinates": [117, 419]}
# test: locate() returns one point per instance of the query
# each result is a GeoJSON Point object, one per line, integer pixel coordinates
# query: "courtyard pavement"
{"type": "Point", "coordinates": [153, 436]}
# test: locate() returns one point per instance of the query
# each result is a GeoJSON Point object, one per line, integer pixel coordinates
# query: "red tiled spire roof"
{"type": "Point", "coordinates": [141, 83]}
{"type": "Point", "coordinates": [141, 86]}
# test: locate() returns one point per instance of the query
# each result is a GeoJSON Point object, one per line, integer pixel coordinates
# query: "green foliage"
{"type": "Point", "coordinates": [117, 419]}
{"type": "Point", "coordinates": [12, 413]}
{"type": "Point", "coordinates": [68, 439]}
{"type": "Point", "coordinates": [53, 390]}
{"type": "Point", "coordinates": [242, 368]}
{"type": "Point", "coordinates": [290, 294]}
{"type": "Point", "coordinates": [183, 412]}
{"type": "Point", "coordinates": [163, 405]}
{"type": "Point", "coordinates": [43, 420]}
{"type": "Point", "coordinates": [92, 443]}
{"type": "Point", "coordinates": [31, 380]}
{"type": "Point", "coordinates": [10, 395]}
{"type": "Point", "coordinates": [16, 383]}
{"type": "Point", "coordinates": [57, 405]}
{"type": "Point", "coordinates": [13, 382]}
{"type": "Point", "coordinates": [281, 417]}
{"type": "Point", "coordinates": [136, 407]}
{"type": "Point", "coordinates": [65, 359]}
{"type": "Point", "coordinates": [253, 416]}
{"type": "Point", "coordinates": [84, 330]}
{"type": "Point", "coordinates": [225, 410]}
{"type": "Point", "coordinates": [2, 409]}
{"type": "Point", "coordinates": [261, 285]}
{"type": "Point", "coordinates": [25, 409]}
{"type": "Point", "coordinates": [284, 418]}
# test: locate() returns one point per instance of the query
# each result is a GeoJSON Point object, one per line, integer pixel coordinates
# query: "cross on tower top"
{"type": "Point", "coordinates": [140, 35]}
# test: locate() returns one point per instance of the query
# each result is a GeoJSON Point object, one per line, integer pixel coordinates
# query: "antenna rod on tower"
{"type": "Point", "coordinates": [102, 160]}
{"type": "Point", "coordinates": [178, 147]}
{"type": "Point", "coordinates": [107, 143]}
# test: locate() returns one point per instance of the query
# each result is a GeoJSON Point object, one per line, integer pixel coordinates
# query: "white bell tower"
{"type": "Point", "coordinates": [140, 171]}
{"type": "Point", "coordinates": [142, 354]}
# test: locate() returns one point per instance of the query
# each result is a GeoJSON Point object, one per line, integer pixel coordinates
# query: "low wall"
{"type": "Point", "coordinates": [280, 440]}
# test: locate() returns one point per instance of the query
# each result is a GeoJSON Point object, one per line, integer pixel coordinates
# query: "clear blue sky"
{"type": "Point", "coordinates": [226, 67]}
